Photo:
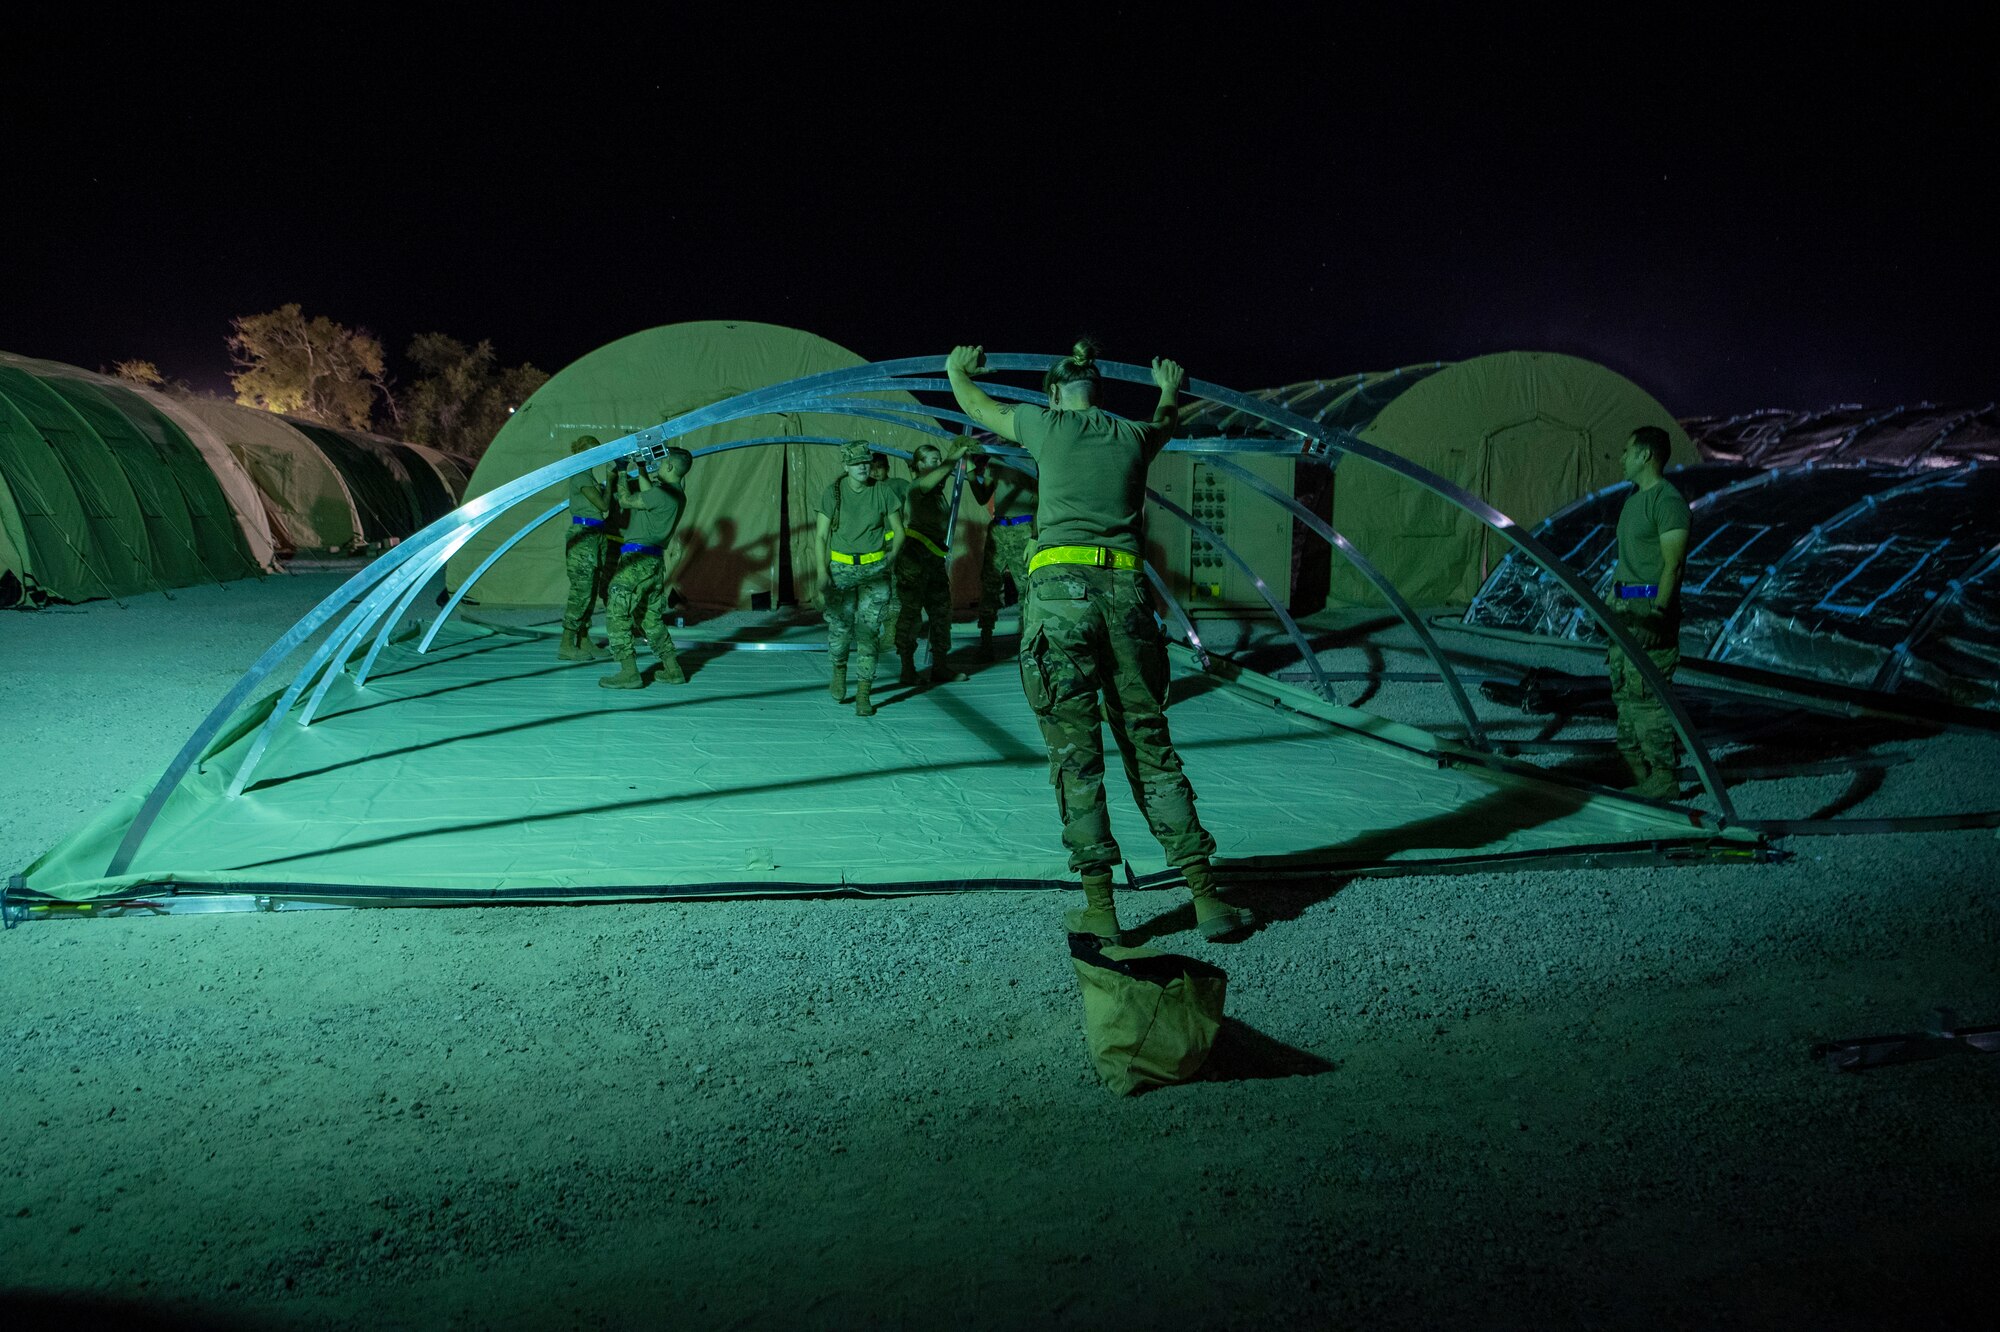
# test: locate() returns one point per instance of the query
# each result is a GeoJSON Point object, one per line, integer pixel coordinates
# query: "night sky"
{"type": "Point", "coordinates": [1732, 220]}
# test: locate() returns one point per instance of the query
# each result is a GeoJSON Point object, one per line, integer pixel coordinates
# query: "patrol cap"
{"type": "Point", "coordinates": [853, 451]}
{"type": "Point", "coordinates": [582, 442]}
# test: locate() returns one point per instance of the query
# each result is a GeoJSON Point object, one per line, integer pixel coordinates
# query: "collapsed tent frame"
{"type": "Point", "coordinates": [391, 579]}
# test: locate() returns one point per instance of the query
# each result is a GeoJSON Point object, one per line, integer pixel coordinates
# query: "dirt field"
{"type": "Point", "coordinates": [1561, 1098]}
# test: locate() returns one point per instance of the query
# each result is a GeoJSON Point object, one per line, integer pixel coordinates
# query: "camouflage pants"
{"type": "Point", "coordinates": [856, 605]}
{"type": "Point", "coordinates": [637, 600]}
{"type": "Point", "coordinates": [1086, 633]}
{"type": "Point", "coordinates": [1646, 735]}
{"type": "Point", "coordinates": [583, 559]}
{"type": "Point", "coordinates": [923, 591]}
{"type": "Point", "coordinates": [1006, 552]}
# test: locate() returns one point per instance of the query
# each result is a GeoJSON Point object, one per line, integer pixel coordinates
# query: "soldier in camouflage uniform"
{"type": "Point", "coordinates": [1088, 632]}
{"type": "Point", "coordinates": [1653, 526]}
{"type": "Point", "coordinates": [860, 522]}
{"type": "Point", "coordinates": [923, 571]}
{"type": "Point", "coordinates": [584, 559]}
{"type": "Point", "coordinates": [1010, 539]}
{"type": "Point", "coordinates": [653, 505]}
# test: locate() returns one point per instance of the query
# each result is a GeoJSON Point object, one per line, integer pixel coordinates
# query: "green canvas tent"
{"type": "Point", "coordinates": [108, 489]}
{"type": "Point", "coordinates": [1528, 432]}
{"type": "Point", "coordinates": [748, 509]}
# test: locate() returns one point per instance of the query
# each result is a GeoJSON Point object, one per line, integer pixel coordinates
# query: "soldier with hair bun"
{"type": "Point", "coordinates": [1087, 627]}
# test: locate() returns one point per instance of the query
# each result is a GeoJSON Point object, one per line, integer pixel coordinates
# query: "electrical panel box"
{"type": "Point", "coordinates": [1250, 523]}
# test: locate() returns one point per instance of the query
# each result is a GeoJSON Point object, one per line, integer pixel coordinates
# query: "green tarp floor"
{"type": "Point", "coordinates": [489, 767]}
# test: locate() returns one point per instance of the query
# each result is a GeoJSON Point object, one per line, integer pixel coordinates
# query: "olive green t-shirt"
{"type": "Point", "coordinates": [927, 510]}
{"type": "Point", "coordinates": [586, 497]}
{"type": "Point", "coordinates": [652, 515]}
{"type": "Point", "coordinates": [1093, 476]}
{"type": "Point", "coordinates": [1647, 515]}
{"type": "Point", "coordinates": [859, 522]}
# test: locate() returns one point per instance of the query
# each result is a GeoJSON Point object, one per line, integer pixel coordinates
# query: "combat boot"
{"type": "Point", "coordinates": [862, 707]}
{"type": "Point", "coordinates": [1215, 918]}
{"type": "Point", "coordinates": [628, 676]}
{"type": "Point", "coordinates": [837, 686]}
{"type": "Point", "coordinates": [590, 646]}
{"type": "Point", "coordinates": [986, 642]}
{"type": "Point", "coordinates": [670, 671]}
{"type": "Point", "coordinates": [941, 667]}
{"type": "Point", "coordinates": [1099, 916]}
{"type": "Point", "coordinates": [571, 650]}
{"type": "Point", "coordinates": [909, 675]}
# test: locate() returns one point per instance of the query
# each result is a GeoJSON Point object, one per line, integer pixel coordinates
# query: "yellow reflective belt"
{"type": "Point", "coordinates": [840, 557]}
{"type": "Point", "coordinates": [927, 543]}
{"type": "Point", "coordinates": [1093, 555]}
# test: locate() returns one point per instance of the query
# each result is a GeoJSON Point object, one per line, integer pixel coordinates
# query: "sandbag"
{"type": "Point", "coordinates": [1150, 1017]}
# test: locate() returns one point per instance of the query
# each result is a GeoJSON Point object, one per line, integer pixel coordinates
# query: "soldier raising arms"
{"type": "Point", "coordinates": [1087, 628]}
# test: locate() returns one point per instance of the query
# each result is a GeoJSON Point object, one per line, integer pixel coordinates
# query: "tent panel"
{"type": "Point", "coordinates": [218, 537]}
{"type": "Point", "coordinates": [381, 501]}
{"type": "Point", "coordinates": [119, 558]}
{"type": "Point", "coordinates": [42, 521]}
{"type": "Point", "coordinates": [741, 504]}
{"type": "Point", "coordinates": [1527, 431]}
{"type": "Point", "coordinates": [305, 498]}
{"type": "Point", "coordinates": [176, 560]}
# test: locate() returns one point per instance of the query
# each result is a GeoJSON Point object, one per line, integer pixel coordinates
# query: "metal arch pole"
{"type": "Point", "coordinates": [1180, 613]}
{"type": "Point", "coordinates": [754, 403]}
{"type": "Point", "coordinates": [512, 540]}
{"type": "Point", "coordinates": [400, 589]}
{"type": "Point", "coordinates": [1891, 673]}
{"type": "Point", "coordinates": [1719, 649]}
{"type": "Point", "coordinates": [342, 644]}
{"type": "Point", "coordinates": [1345, 441]}
{"type": "Point", "coordinates": [1366, 568]}
{"type": "Point", "coordinates": [1203, 531]}
{"type": "Point", "coordinates": [390, 620]}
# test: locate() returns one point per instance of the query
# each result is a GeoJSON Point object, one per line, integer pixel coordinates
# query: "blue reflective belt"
{"type": "Point", "coordinates": [587, 522]}
{"type": "Point", "coordinates": [634, 548]}
{"type": "Point", "coordinates": [1632, 591]}
{"type": "Point", "coordinates": [1016, 520]}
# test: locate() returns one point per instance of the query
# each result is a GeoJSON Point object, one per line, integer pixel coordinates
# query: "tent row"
{"type": "Point", "coordinates": [1527, 431]}
{"type": "Point", "coordinates": [107, 489]}
{"type": "Point", "coordinates": [1867, 576]}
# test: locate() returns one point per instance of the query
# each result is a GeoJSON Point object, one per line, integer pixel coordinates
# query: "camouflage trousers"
{"type": "Point", "coordinates": [857, 601]}
{"type": "Point", "coordinates": [1087, 633]}
{"type": "Point", "coordinates": [638, 599]}
{"type": "Point", "coordinates": [584, 561]}
{"type": "Point", "coordinates": [1006, 552]}
{"type": "Point", "coordinates": [923, 591]}
{"type": "Point", "coordinates": [1646, 735]}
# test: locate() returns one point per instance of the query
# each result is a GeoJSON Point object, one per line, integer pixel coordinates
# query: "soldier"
{"type": "Point", "coordinates": [860, 523]}
{"type": "Point", "coordinates": [1009, 538]}
{"type": "Point", "coordinates": [654, 505]}
{"type": "Point", "coordinates": [923, 573]}
{"type": "Point", "coordinates": [583, 556]}
{"type": "Point", "coordinates": [1087, 627]}
{"type": "Point", "coordinates": [1653, 530]}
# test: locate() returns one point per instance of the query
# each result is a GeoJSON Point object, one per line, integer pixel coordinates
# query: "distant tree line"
{"type": "Point", "coordinates": [326, 372]}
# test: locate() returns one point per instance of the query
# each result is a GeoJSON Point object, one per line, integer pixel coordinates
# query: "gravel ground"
{"type": "Point", "coordinates": [1557, 1098]}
